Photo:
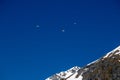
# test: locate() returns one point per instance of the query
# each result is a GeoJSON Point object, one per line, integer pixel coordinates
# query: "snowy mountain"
{"type": "Point", "coordinates": [105, 68]}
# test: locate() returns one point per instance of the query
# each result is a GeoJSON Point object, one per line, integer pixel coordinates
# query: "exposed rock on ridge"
{"type": "Point", "coordinates": [106, 68]}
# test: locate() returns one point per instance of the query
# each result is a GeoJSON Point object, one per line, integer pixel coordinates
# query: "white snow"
{"type": "Point", "coordinates": [67, 74]}
{"type": "Point", "coordinates": [119, 60]}
{"type": "Point", "coordinates": [74, 77]}
{"type": "Point", "coordinates": [110, 53]}
{"type": "Point", "coordinates": [92, 62]}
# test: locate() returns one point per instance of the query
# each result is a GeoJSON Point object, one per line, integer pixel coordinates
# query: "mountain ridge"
{"type": "Point", "coordinates": [103, 68]}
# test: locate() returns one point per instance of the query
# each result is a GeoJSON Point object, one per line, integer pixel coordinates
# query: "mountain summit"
{"type": "Point", "coordinates": [105, 68]}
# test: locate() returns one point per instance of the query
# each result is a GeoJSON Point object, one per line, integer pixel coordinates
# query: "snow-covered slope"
{"type": "Point", "coordinates": [69, 74]}
{"type": "Point", "coordinates": [105, 68]}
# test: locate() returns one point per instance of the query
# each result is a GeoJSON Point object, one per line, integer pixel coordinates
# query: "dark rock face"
{"type": "Point", "coordinates": [107, 68]}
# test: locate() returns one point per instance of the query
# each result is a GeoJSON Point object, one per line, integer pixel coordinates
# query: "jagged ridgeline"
{"type": "Point", "coordinates": [105, 68]}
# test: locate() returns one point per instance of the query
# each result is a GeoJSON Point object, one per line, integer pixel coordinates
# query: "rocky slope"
{"type": "Point", "coordinates": [105, 68]}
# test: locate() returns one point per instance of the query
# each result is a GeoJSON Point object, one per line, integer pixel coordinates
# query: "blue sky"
{"type": "Point", "coordinates": [41, 37]}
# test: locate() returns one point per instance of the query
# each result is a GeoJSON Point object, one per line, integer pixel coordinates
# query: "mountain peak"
{"type": "Point", "coordinates": [64, 74]}
{"type": "Point", "coordinates": [105, 68]}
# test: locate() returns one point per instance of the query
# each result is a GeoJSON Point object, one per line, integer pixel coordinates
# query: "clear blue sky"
{"type": "Point", "coordinates": [41, 37]}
